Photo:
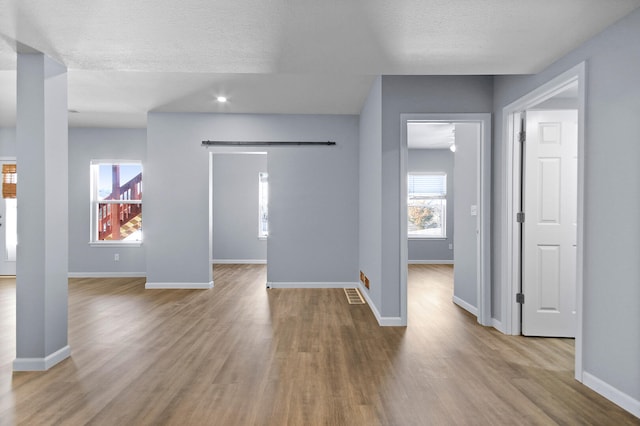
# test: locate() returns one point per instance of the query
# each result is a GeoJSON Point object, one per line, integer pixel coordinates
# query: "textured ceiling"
{"type": "Point", "coordinates": [277, 56]}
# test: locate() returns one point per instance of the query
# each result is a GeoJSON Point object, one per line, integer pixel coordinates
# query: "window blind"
{"type": "Point", "coordinates": [9, 180]}
{"type": "Point", "coordinates": [427, 184]}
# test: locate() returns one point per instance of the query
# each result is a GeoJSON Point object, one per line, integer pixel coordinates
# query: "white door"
{"type": "Point", "coordinates": [549, 232]}
{"type": "Point", "coordinates": [8, 232]}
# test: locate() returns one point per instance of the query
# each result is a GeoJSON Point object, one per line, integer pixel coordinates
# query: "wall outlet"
{"type": "Point", "coordinates": [474, 210]}
{"type": "Point", "coordinates": [116, 257]}
{"type": "Point", "coordinates": [450, 246]}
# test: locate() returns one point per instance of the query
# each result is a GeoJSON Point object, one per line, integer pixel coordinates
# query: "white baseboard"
{"type": "Point", "coordinates": [430, 262]}
{"type": "Point", "coordinates": [41, 364]}
{"type": "Point", "coordinates": [612, 394]}
{"type": "Point", "coordinates": [276, 284]}
{"type": "Point", "coordinates": [498, 326]}
{"type": "Point", "coordinates": [107, 274]}
{"type": "Point", "coordinates": [466, 306]}
{"type": "Point", "coordinates": [382, 321]}
{"type": "Point", "coordinates": [239, 261]}
{"type": "Point", "coordinates": [179, 286]}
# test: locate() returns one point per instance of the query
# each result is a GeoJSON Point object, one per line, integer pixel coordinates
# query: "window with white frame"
{"type": "Point", "coordinates": [9, 184]}
{"type": "Point", "coordinates": [427, 205]}
{"type": "Point", "coordinates": [116, 202]}
{"type": "Point", "coordinates": [263, 205]}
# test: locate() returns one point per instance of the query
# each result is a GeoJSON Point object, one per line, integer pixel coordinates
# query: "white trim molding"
{"type": "Point", "coordinates": [382, 321]}
{"type": "Point", "coordinates": [178, 286]}
{"type": "Point", "coordinates": [431, 262]}
{"type": "Point", "coordinates": [511, 239]}
{"type": "Point", "coordinates": [483, 244]}
{"type": "Point", "coordinates": [42, 364]}
{"type": "Point", "coordinates": [612, 394]}
{"type": "Point", "coordinates": [107, 274]}
{"type": "Point", "coordinates": [498, 325]}
{"type": "Point", "coordinates": [465, 305]}
{"type": "Point", "coordinates": [272, 284]}
{"type": "Point", "coordinates": [239, 261]}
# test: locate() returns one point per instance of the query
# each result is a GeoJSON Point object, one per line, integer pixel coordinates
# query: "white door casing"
{"type": "Point", "coordinates": [483, 209]}
{"type": "Point", "coordinates": [549, 230]}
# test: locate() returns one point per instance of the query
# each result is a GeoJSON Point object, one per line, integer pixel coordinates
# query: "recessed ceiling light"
{"type": "Point", "coordinates": [221, 99]}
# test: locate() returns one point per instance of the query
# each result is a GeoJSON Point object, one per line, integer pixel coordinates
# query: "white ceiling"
{"type": "Point", "coordinates": [425, 135]}
{"type": "Point", "coordinates": [277, 56]}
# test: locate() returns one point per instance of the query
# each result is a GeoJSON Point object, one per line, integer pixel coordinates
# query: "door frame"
{"type": "Point", "coordinates": [483, 249]}
{"type": "Point", "coordinates": [234, 150]}
{"type": "Point", "coordinates": [511, 237]}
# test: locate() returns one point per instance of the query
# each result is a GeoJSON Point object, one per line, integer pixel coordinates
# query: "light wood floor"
{"type": "Point", "coordinates": [241, 355]}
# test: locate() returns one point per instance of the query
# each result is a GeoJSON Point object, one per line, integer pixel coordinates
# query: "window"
{"type": "Point", "coordinates": [427, 205]}
{"type": "Point", "coordinates": [9, 181]}
{"type": "Point", "coordinates": [263, 205]}
{"type": "Point", "coordinates": [116, 202]}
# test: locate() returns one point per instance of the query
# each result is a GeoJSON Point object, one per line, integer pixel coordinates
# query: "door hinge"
{"type": "Point", "coordinates": [523, 136]}
{"type": "Point", "coordinates": [520, 217]}
{"type": "Point", "coordinates": [520, 298]}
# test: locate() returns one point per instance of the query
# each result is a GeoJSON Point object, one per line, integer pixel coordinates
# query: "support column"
{"type": "Point", "coordinates": [43, 221]}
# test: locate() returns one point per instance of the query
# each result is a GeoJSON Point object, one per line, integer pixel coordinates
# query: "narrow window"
{"type": "Point", "coordinates": [427, 205]}
{"type": "Point", "coordinates": [263, 205]}
{"type": "Point", "coordinates": [9, 181]}
{"type": "Point", "coordinates": [116, 202]}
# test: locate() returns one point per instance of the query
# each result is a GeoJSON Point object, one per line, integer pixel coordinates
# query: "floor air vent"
{"type": "Point", "coordinates": [353, 296]}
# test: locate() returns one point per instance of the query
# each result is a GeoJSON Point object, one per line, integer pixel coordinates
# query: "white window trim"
{"type": "Point", "coordinates": [93, 202]}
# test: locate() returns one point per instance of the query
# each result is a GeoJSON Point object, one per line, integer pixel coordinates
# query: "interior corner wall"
{"type": "Point", "coordinates": [434, 160]}
{"type": "Point", "coordinates": [313, 195]}
{"type": "Point", "coordinates": [235, 207]}
{"type": "Point", "coordinates": [370, 195]}
{"type": "Point", "coordinates": [415, 94]}
{"type": "Point", "coordinates": [611, 314]}
{"type": "Point", "coordinates": [85, 145]}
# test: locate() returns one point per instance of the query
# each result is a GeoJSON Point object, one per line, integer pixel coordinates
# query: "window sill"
{"type": "Point", "coordinates": [262, 238]}
{"type": "Point", "coordinates": [115, 244]}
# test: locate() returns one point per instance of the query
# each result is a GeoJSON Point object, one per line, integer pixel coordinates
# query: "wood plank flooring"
{"type": "Point", "coordinates": [243, 355]}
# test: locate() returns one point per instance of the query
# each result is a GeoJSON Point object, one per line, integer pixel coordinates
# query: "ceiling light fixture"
{"type": "Point", "coordinates": [221, 99]}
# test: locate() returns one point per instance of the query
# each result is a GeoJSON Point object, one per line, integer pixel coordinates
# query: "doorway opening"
{"type": "Point", "coordinates": [536, 181]}
{"type": "Point", "coordinates": [239, 207]}
{"type": "Point", "coordinates": [439, 194]}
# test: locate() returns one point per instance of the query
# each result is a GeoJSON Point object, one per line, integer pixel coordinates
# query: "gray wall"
{"type": "Point", "coordinates": [313, 195]}
{"type": "Point", "coordinates": [313, 199]}
{"type": "Point", "coordinates": [7, 142]}
{"type": "Point", "coordinates": [434, 160]}
{"type": "Point", "coordinates": [235, 207]}
{"type": "Point", "coordinates": [611, 229]}
{"type": "Point", "coordinates": [370, 195]}
{"type": "Point", "coordinates": [415, 94]}
{"type": "Point", "coordinates": [100, 144]}
{"type": "Point", "coordinates": [465, 239]}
